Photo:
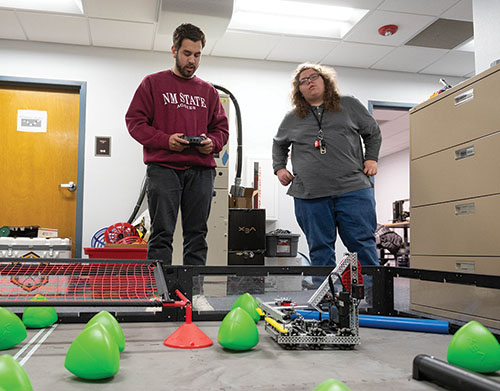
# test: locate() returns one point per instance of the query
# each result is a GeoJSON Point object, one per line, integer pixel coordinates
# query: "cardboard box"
{"type": "Point", "coordinates": [125, 245]}
{"type": "Point", "coordinates": [245, 202]}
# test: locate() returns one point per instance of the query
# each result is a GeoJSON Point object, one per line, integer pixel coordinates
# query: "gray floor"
{"type": "Point", "coordinates": [382, 362]}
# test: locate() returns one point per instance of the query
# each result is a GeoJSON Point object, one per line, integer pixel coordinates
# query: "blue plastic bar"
{"type": "Point", "coordinates": [408, 324]}
{"type": "Point", "coordinates": [394, 323]}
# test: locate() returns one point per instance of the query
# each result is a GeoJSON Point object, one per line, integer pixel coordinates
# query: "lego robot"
{"type": "Point", "coordinates": [338, 322]}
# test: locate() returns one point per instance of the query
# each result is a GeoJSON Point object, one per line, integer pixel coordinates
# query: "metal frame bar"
{"type": "Point", "coordinates": [181, 277]}
{"type": "Point", "coordinates": [81, 303]}
{"type": "Point", "coordinates": [382, 279]}
{"type": "Point", "coordinates": [78, 260]}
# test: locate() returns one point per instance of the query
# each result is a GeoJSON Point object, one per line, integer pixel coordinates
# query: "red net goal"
{"type": "Point", "coordinates": [80, 283]}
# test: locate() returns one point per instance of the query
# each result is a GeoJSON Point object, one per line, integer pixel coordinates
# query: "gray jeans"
{"type": "Point", "coordinates": [190, 190]}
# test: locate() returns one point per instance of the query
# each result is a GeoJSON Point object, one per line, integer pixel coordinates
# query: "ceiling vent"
{"type": "Point", "coordinates": [443, 34]}
{"type": "Point", "coordinates": [212, 16]}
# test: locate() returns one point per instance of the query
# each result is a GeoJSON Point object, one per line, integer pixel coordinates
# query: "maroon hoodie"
{"type": "Point", "coordinates": [165, 104]}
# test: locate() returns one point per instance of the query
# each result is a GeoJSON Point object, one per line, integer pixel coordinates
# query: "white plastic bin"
{"type": "Point", "coordinates": [35, 247]}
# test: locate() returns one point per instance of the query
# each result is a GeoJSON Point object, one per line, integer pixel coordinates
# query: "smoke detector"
{"type": "Point", "coordinates": [388, 30]}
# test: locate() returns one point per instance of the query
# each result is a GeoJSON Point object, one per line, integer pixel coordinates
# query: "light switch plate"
{"type": "Point", "coordinates": [103, 146]}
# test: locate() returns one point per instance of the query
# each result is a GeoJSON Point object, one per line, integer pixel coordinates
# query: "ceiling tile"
{"type": "Point", "coordinates": [10, 28]}
{"type": "Point", "coordinates": [394, 144]}
{"type": "Point", "coordinates": [245, 45]}
{"type": "Point", "coordinates": [131, 10]}
{"type": "Point", "coordinates": [366, 31]}
{"type": "Point", "coordinates": [461, 11]}
{"type": "Point", "coordinates": [364, 4]}
{"type": "Point", "coordinates": [396, 126]}
{"type": "Point", "coordinates": [133, 24]}
{"type": "Point", "coordinates": [467, 46]}
{"type": "Point", "coordinates": [394, 138]}
{"type": "Point", "coordinates": [295, 49]}
{"type": "Point", "coordinates": [423, 7]}
{"type": "Point", "coordinates": [163, 43]}
{"type": "Point", "coordinates": [119, 34]}
{"type": "Point", "coordinates": [454, 63]}
{"type": "Point", "coordinates": [409, 59]}
{"type": "Point", "coordinates": [356, 54]}
{"type": "Point", "coordinates": [443, 34]}
{"type": "Point", "coordinates": [388, 114]}
{"type": "Point", "coordinates": [55, 28]}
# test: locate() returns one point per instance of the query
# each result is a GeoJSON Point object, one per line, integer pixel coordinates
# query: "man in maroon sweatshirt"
{"type": "Point", "coordinates": [167, 107]}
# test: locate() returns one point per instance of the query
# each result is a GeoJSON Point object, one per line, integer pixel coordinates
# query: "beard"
{"type": "Point", "coordinates": [184, 70]}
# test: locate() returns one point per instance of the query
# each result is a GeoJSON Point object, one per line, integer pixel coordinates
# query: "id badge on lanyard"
{"type": "Point", "coordinates": [319, 143]}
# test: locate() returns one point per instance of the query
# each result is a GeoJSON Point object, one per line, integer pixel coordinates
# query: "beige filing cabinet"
{"type": "Point", "coordinates": [218, 220]}
{"type": "Point", "coordinates": [455, 197]}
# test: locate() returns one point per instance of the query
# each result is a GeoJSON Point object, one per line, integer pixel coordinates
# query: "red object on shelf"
{"type": "Point", "coordinates": [388, 30]}
{"type": "Point", "coordinates": [116, 252]}
{"type": "Point", "coordinates": [131, 240]}
{"type": "Point", "coordinates": [118, 231]}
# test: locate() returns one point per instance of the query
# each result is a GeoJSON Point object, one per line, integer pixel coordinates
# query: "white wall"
{"type": "Point", "coordinates": [392, 183]}
{"type": "Point", "coordinates": [486, 14]}
{"type": "Point", "coordinates": [261, 87]}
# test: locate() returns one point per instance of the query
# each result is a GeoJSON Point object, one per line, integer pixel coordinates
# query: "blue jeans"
{"type": "Point", "coordinates": [351, 214]}
{"type": "Point", "coordinates": [190, 191]}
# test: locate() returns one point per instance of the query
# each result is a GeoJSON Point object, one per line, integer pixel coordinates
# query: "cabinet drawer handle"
{"type": "Point", "coordinates": [465, 266]}
{"type": "Point", "coordinates": [463, 209]}
{"type": "Point", "coordinates": [464, 152]}
{"type": "Point", "coordinates": [464, 97]}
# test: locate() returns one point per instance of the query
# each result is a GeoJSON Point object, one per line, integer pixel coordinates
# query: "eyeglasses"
{"type": "Point", "coordinates": [306, 80]}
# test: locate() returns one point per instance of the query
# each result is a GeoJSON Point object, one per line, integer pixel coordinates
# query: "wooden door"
{"type": "Point", "coordinates": [35, 162]}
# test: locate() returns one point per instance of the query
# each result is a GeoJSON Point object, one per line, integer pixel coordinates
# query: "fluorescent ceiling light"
{"type": "Point", "coordinates": [294, 18]}
{"type": "Point", "coordinates": [63, 6]}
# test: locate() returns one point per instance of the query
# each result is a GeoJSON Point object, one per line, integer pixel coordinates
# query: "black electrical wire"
{"type": "Point", "coordinates": [239, 132]}
{"type": "Point", "coordinates": [139, 202]}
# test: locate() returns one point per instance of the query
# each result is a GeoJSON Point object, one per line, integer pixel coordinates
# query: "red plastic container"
{"type": "Point", "coordinates": [116, 252]}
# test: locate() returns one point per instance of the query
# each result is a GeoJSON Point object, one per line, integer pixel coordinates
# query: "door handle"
{"type": "Point", "coordinates": [71, 186]}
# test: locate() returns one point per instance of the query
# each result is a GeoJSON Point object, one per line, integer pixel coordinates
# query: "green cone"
{"type": "Point", "coordinates": [249, 304]}
{"type": "Point", "coordinates": [332, 385]}
{"type": "Point", "coordinates": [12, 330]}
{"type": "Point", "coordinates": [93, 354]}
{"type": "Point", "coordinates": [39, 317]}
{"type": "Point", "coordinates": [13, 377]}
{"type": "Point", "coordinates": [238, 331]}
{"type": "Point", "coordinates": [475, 348]}
{"type": "Point", "coordinates": [111, 325]}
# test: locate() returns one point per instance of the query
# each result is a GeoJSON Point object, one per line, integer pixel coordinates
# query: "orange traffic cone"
{"type": "Point", "coordinates": [188, 336]}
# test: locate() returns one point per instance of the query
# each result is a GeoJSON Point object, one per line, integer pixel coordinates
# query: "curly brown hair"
{"type": "Point", "coordinates": [331, 96]}
{"type": "Point", "coordinates": [188, 31]}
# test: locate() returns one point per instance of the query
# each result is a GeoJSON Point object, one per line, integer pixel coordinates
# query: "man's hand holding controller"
{"type": "Point", "coordinates": [178, 142]}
